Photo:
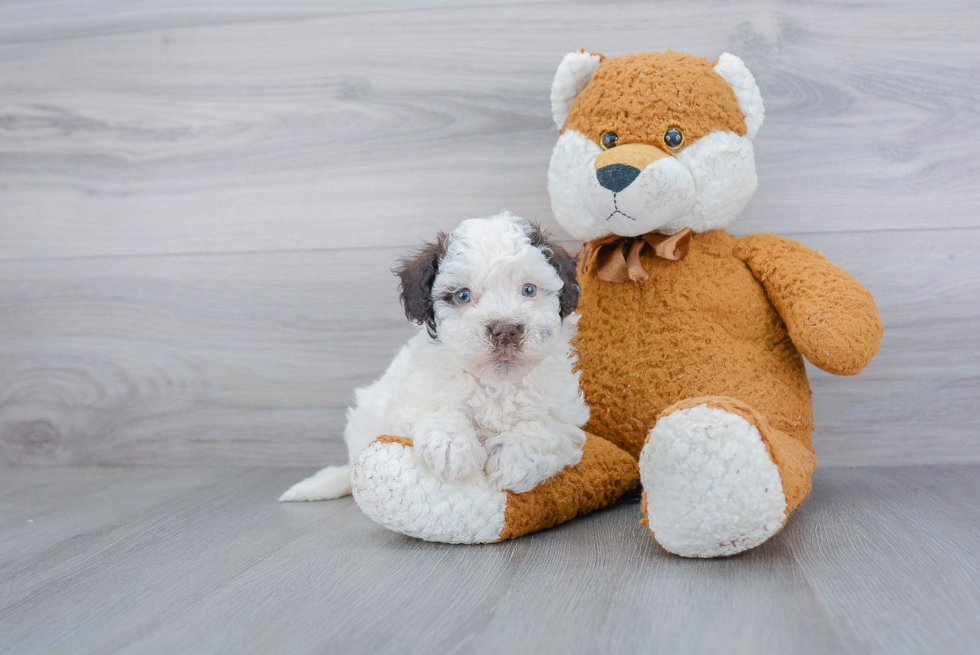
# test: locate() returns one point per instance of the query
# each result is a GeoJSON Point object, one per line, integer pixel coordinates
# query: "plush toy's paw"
{"type": "Point", "coordinates": [710, 486]}
{"type": "Point", "coordinates": [393, 489]}
{"type": "Point", "coordinates": [450, 457]}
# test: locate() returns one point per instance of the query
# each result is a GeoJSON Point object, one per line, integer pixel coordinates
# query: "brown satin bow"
{"type": "Point", "coordinates": [618, 258]}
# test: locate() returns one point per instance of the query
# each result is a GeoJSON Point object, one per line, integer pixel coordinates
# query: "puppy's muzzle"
{"type": "Point", "coordinates": [506, 335]}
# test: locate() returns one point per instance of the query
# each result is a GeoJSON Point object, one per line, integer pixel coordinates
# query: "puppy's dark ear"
{"type": "Point", "coordinates": [563, 263]}
{"type": "Point", "coordinates": [418, 273]}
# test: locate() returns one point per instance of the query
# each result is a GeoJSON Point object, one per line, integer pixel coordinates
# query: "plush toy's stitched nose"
{"type": "Point", "coordinates": [506, 334]}
{"type": "Point", "coordinates": [617, 177]}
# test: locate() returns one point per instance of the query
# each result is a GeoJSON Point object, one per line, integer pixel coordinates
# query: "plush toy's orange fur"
{"type": "Point", "coordinates": [604, 474]}
{"type": "Point", "coordinates": [728, 320]}
{"type": "Point", "coordinates": [645, 94]}
{"type": "Point", "coordinates": [724, 327]}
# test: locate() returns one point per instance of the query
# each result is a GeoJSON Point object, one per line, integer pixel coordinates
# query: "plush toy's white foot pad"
{"type": "Point", "coordinates": [393, 490]}
{"type": "Point", "coordinates": [711, 487]}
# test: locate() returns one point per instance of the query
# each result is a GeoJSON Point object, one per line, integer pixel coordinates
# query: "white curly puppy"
{"type": "Point", "coordinates": [488, 384]}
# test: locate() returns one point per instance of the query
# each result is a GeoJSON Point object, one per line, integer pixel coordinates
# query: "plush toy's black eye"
{"type": "Point", "coordinates": [609, 140]}
{"type": "Point", "coordinates": [529, 290]}
{"type": "Point", "coordinates": [462, 296]}
{"type": "Point", "coordinates": [673, 138]}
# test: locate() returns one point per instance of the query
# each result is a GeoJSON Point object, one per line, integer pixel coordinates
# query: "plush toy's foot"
{"type": "Point", "coordinates": [395, 492]}
{"type": "Point", "coordinates": [718, 480]}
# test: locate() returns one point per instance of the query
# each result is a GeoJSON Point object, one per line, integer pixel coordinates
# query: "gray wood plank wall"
{"type": "Point", "coordinates": [200, 202]}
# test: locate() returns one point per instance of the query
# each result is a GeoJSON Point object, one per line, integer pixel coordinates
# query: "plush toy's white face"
{"type": "Point", "coordinates": [652, 142]}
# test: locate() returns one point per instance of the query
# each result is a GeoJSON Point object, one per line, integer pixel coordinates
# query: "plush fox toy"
{"type": "Point", "coordinates": [691, 341]}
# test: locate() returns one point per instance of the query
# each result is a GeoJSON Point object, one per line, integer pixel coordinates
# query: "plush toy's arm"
{"type": "Point", "coordinates": [831, 318]}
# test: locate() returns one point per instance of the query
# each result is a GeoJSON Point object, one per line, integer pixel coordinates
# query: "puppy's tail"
{"type": "Point", "coordinates": [331, 482]}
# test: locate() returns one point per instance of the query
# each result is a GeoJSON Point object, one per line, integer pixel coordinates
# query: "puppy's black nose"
{"type": "Point", "coordinates": [506, 334]}
{"type": "Point", "coordinates": [617, 177]}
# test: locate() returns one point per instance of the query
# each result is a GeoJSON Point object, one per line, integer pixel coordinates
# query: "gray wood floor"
{"type": "Point", "coordinates": [203, 560]}
{"type": "Point", "coordinates": [200, 202]}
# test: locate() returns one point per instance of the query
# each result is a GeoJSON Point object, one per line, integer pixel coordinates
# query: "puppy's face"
{"type": "Point", "coordinates": [494, 293]}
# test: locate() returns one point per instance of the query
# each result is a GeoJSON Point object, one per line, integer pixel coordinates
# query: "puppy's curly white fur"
{"type": "Point", "coordinates": [487, 386]}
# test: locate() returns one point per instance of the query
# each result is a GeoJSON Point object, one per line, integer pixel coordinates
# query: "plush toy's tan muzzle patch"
{"type": "Point", "coordinates": [637, 155]}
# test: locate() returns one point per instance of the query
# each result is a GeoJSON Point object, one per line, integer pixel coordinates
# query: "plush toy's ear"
{"type": "Point", "coordinates": [574, 72]}
{"type": "Point", "coordinates": [418, 273]}
{"type": "Point", "coordinates": [733, 70]}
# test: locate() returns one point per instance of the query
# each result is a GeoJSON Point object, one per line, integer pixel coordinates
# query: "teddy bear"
{"type": "Point", "coordinates": [691, 341]}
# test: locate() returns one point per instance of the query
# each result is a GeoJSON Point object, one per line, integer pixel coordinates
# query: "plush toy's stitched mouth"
{"type": "Point", "coordinates": [616, 210]}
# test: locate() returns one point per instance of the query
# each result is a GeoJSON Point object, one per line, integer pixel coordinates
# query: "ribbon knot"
{"type": "Point", "coordinates": [617, 258]}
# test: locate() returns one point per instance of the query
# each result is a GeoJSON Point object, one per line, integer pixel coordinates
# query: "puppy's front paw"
{"type": "Point", "coordinates": [450, 457]}
{"type": "Point", "coordinates": [511, 466]}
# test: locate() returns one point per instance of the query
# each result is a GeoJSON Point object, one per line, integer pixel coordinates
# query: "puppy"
{"type": "Point", "coordinates": [487, 385]}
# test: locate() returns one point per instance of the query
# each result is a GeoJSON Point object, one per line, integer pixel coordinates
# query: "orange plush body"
{"type": "Point", "coordinates": [705, 327]}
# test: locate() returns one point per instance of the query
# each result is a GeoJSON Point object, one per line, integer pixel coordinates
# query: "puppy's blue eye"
{"type": "Point", "coordinates": [462, 296]}
{"type": "Point", "coordinates": [529, 290]}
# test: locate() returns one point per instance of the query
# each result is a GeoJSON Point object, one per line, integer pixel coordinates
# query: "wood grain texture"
{"type": "Point", "coordinates": [152, 560]}
{"type": "Point", "coordinates": [233, 359]}
{"type": "Point", "coordinates": [204, 128]}
{"type": "Point", "coordinates": [200, 202]}
{"type": "Point", "coordinates": [888, 561]}
{"type": "Point", "coordinates": [252, 358]}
